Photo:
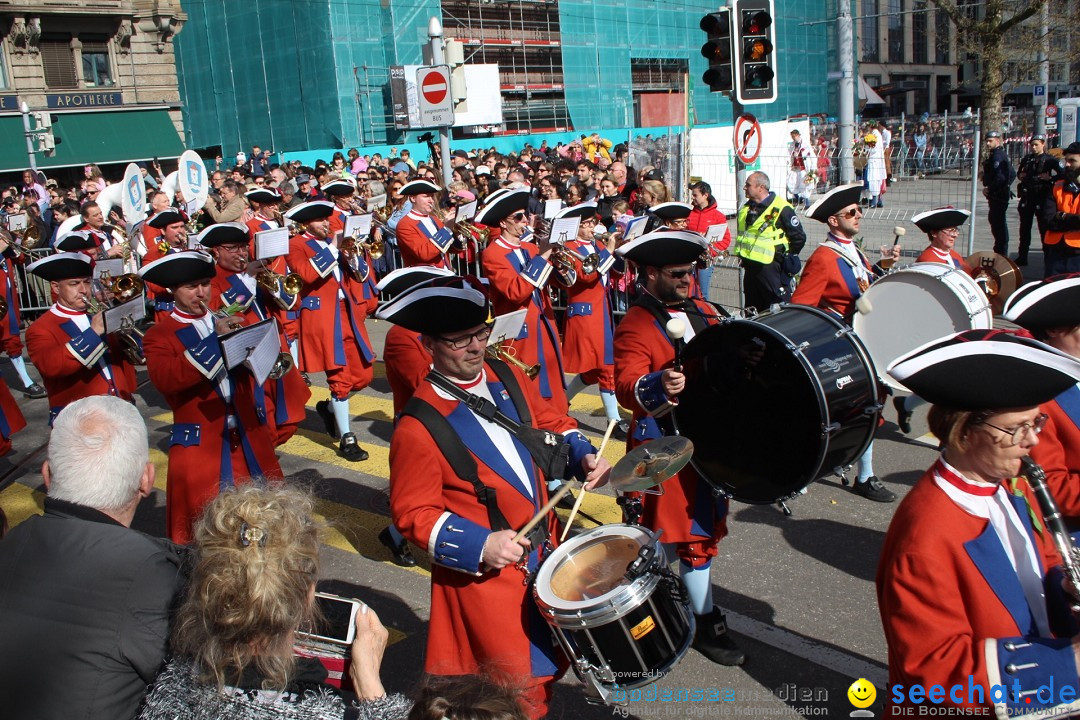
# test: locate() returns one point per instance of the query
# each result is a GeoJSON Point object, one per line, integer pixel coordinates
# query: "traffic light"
{"type": "Point", "coordinates": [755, 48]}
{"type": "Point", "coordinates": [43, 122]}
{"type": "Point", "coordinates": [455, 58]}
{"type": "Point", "coordinates": [717, 50]}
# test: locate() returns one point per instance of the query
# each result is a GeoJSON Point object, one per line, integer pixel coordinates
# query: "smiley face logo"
{"type": "Point", "coordinates": [862, 693]}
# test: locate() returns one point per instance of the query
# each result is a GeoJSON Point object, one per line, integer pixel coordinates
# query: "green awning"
{"type": "Point", "coordinates": [94, 137]}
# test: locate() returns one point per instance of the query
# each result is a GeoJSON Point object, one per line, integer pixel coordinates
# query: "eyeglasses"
{"type": "Point", "coordinates": [234, 248]}
{"type": "Point", "coordinates": [462, 342]}
{"type": "Point", "coordinates": [588, 221]}
{"type": "Point", "coordinates": [676, 274]}
{"type": "Point", "coordinates": [518, 216]}
{"type": "Point", "coordinates": [949, 231]}
{"type": "Point", "coordinates": [1018, 433]}
{"type": "Point", "coordinates": [849, 213]}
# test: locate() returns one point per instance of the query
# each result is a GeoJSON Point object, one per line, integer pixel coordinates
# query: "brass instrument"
{"type": "Point", "coordinates": [508, 354]}
{"type": "Point", "coordinates": [590, 263]}
{"type": "Point", "coordinates": [131, 341]}
{"type": "Point", "coordinates": [121, 240]}
{"type": "Point", "coordinates": [123, 287]}
{"type": "Point", "coordinates": [282, 365]}
{"type": "Point", "coordinates": [270, 280]}
{"type": "Point", "coordinates": [351, 247]}
{"type": "Point", "coordinates": [481, 235]}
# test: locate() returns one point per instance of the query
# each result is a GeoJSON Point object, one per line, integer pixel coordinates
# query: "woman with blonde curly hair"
{"type": "Point", "coordinates": [256, 561]}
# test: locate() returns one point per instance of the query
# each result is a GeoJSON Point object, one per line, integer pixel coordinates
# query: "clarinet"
{"type": "Point", "coordinates": [1036, 478]}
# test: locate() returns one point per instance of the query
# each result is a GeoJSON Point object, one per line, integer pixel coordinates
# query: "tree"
{"type": "Point", "coordinates": [983, 28]}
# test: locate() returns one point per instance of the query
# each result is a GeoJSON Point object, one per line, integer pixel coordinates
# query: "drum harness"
{"type": "Point", "coordinates": [551, 455]}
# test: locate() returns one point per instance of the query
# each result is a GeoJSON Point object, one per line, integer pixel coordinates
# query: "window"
{"type": "Point", "coordinates": [1058, 72]}
{"type": "Point", "coordinates": [3, 70]}
{"type": "Point", "coordinates": [58, 62]}
{"type": "Point", "coordinates": [869, 31]}
{"type": "Point", "coordinates": [95, 62]}
{"type": "Point", "coordinates": [942, 30]}
{"type": "Point", "coordinates": [896, 31]}
{"type": "Point", "coordinates": [919, 46]}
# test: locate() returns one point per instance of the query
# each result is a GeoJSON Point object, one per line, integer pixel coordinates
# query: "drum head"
{"type": "Point", "coordinates": [761, 396]}
{"type": "Point", "coordinates": [914, 306]}
{"type": "Point", "coordinates": [582, 572]}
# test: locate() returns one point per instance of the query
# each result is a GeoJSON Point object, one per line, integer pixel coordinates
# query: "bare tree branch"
{"type": "Point", "coordinates": [1029, 11]}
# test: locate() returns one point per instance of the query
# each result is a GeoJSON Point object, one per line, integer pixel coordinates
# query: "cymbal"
{"type": "Point", "coordinates": [999, 276]}
{"type": "Point", "coordinates": [650, 464]}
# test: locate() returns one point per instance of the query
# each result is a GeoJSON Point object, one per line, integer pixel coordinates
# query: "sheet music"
{"type": "Point", "coordinates": [376, 201]}
{"type": "Point", "coordinates": [564, 230]}
{"type": "Point", "coordinates": [552, 208]}
{"type": "Point", "coordinates": [271, 243]}
{"type": "Point", "coordinates": [508, 326]}
{"type": "Point", "coordinates": [358, 226]}
{"type": "Point", "coordinates": [135, 309]}
{"type": "Point", "coordinates": [715, 233]}
{"type": "Point", "coordinates": [467, 211]}
{"type": "Point", "coordinates": [635, 227]}
{"type": "Point", "coordinates": [17, 222]}
{"type": "Point", "coordinates": [111, 268]}
{"type": "Point", "coordinates": [255, 345]}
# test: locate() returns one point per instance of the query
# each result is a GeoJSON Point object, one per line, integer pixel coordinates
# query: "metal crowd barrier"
{"type": "Point", "coordinates": [34, 294]}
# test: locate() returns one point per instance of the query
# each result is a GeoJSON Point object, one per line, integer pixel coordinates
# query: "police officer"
{"type": "Point", "coordinates": [769, 241]}
{"type": "Point", "coordinates": [997, 178]}
{"type": "Point", "coordinates": [1035, 181]}
{"type": "Point", "coordinates": [1061, 243]}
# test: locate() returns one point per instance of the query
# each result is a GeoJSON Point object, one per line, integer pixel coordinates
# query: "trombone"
{"type": "Point", "coordinates": [501, 350]}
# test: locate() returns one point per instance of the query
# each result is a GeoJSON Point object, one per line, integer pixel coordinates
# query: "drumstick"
{"type": "Point", "coordinates": [899, 231]}
{"type": "Point", "coordinates": [581, 496]}
{"type": "Point", "coordinates": [543, 511]}
{"type": "Point", "coordinates": [676, 329]}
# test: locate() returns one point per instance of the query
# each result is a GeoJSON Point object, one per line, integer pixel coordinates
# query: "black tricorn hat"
{"type": "Point", "coordinates": [224, 234]}
{"type": "Point", "coordinates": [309, 211]}
{"type": "Point", "coordinates": [179, 268]}
{"type": "Point", "coordinates": [940, 218]}
{"type": "Point", "coordinates": [440, 306]}
{"type": "Point", "coordinates": [165, 218]}
{"type": "Point", "coordinates": [62, 266]}
{"type": "Point", "coordinates": [502, 206]}
{"type": "Point", "coordinates": [1050, 303]}
{"type": "Point", "coordinates": [402, 279]}
{"type": "Point", "coordinates": [664, 247]}
{"type": "Point", "coordinates": [834, 201]}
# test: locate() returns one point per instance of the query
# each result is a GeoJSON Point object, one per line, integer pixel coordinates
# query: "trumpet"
{"type": "Point", "coordinates": [351, 247]}
{"type": "Point", "coordinates": [508, 354]}
{"type": "Point", "coordinates": [482, 235]}
{"type": "Point", "coordinates": [270, 281]}
{"type": "Point", "coordinates": [123, 287]}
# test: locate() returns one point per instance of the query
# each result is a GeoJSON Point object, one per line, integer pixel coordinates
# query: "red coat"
{"type": "Point", "coordinates": [1058, 452]}
{"type": "Point", "coordinates": [486, 619]}
{"type": "Point", "coordinates": [11, 419]}
{"type": "Point", "coordinates": [198, 464]}
{"type": "Point", "coordinates": [828, 282]}
{"type": "Point", "coordinates": [929, 255]}
{"type": "Point", "coordinates": [286, 318]}
{"type": "Point", "coordinates": [415, 241]}
{"type": "Point", "coordinates": [590, 328]}
{"type": "Point", "coordinates": [643, 349]}
{"type": "Point", "coordinates": [514, 285]}
{"type": "Point", "coordinates": [701, 220]}
{"type": "Point", "coordinates": [161, 297]}
{"type": "Point", "coordinates": [60, 352]}
{"type": "Point", "coordinates": [285, 399]}
{"type": "Point", "coordinates": [11, 324]}
{"type": "Point", "coordinates": [407, 364]}
{"type": "Point", "coordinates": [321, 345]}
{"type": "Point", "coordinates": [952, 606]}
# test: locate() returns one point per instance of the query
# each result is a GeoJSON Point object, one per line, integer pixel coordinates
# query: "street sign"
{"type": "Point", "coordinates": [1051, 122]}
{"type": "Point", "coordinates": [436, 106]}
{"type": "Point", "coordinates": [1051, 111]}
{"type": "Point", "coordinates": [1038, 91]}
{"type": "Point", "coordinates": [747, 138]}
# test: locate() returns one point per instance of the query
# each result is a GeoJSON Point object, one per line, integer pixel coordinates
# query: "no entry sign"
{"type": "Point", "coordinates": [433, 86]}
{"type": "Point", "coordinates": [747, 138]}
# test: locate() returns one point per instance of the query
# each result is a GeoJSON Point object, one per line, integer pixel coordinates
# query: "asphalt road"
{"type": "Point", "coordinates": [798, 590]}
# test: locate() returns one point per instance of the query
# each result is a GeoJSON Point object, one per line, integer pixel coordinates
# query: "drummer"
{"type": "Point", "coordinates": [483, 616]}
{"type": "Point", "coordinates": [942, 227]}
{"type": "Point", "coordinates": [693, 519]}
{"type": "Point", "coordinates": [835, 277]}
{"type": "Point", "coordinates": [969, 583]}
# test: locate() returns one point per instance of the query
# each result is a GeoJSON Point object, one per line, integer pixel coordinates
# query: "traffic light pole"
{"type": "Point", "coordinates": [25, 110]}
{"type": "Point", "coordinates": [438, 57]}
{"type": "Point", "coordinates": [736, 113]}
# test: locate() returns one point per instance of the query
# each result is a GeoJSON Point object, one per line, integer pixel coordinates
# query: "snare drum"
{"type": "Point", "coordinates": [910, 307]}
{"type": "Point", "coordinates": [619, 633]}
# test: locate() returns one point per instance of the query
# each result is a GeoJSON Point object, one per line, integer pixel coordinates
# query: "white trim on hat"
{"type": "Point", "coordinates": [417, 187]}
{"type": "Point", "coordinates": [430, 270]}
{"type": "Point", "coordinates": [922, 357]}
{"type": "Point", "coordinates": [1031, 293]}
{"type": "Point", "coordinates": [404, 300]}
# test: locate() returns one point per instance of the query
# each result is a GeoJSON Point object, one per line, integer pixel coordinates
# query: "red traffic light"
{"type": "Point", "coordinates": [757, 22]}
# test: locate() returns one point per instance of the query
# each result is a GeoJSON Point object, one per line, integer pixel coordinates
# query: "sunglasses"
{"type": "Point", "coordinates": [849, 213]}
{"type": "Point", "coordinates": [676, 274]}
{"type": "Point", "coordinates": [518, 216]}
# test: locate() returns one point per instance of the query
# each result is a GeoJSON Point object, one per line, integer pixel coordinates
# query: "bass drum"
{"type": "Point", "coordinates": [915, 305]}
{"type": "Point", "coordinates": [776, 402]}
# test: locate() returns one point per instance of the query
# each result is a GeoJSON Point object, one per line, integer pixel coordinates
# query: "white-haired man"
{"type": "Point", "coordinates": [85, 600]}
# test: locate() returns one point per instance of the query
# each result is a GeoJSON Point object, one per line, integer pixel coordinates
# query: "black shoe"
{"type": "Point", "coordinates": [34, 391]}
{"type": "Point", "coordinates": [712, 641]}
{"type": "Point", "coordinates": [622, 429]}
{"type": "Point", "coordinates": [402, 555]}
{"type": "Point", "coordinates": [323, 408]}
{"type": "Point", "coordinates": [307, 380]}
{"type": "Point", "coordinates": [1021, 259]}
{"type": "Point", "coordinates": [350, 449]}
{"type": "Point", "coordinates": [903, 416]}
{"type": "Point", "coordinates": [872, 489]}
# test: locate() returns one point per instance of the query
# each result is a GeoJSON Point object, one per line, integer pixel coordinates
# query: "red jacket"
{"type": "Point", "coordinates": [828, 282]}
{"type": "Point", "coordinates": [930, 255]}
{"type": "Point", "coordinates": [1058, 452]}
{"type": "Point", "coordinates": [407, 364]}
{"type": "Point", "coordinates": [701, 220]}
{"type": "Point", "coordinates": [590, 329]}
{"type": "Point", "coordinates": [416, 243]}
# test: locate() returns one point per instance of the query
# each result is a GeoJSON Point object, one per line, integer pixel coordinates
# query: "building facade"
{"type": "Point", "coordinates": [103, 73]}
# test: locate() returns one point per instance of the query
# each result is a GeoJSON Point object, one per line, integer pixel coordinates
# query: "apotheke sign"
{"type": "Point", "coordinates": [66, 101]}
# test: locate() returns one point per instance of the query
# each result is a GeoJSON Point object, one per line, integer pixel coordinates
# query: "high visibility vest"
{"type": "Point", "coordinates": [1066, 202]}
{"type": "Point", "coordinates": [758, 242]}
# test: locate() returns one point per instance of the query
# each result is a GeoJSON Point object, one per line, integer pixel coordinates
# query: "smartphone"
{"type": "Point", "coordinates": [339, 619]}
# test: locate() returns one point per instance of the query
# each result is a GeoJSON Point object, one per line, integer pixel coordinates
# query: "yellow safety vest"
{"type": "Point", "coordinates": [758, 242]}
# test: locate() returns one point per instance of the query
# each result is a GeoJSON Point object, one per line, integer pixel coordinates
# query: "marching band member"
{"type": "Point", "coordinates": [1050, 310]}
{"type": "Point", "coordinates": [942, 227]}
{"type": "Point", "coordinates": [421, 237]}
{"type": "Point", "coordinates": [802, 164]}
{"type": "Point", "coordinates": [969, 583]}
{"type": "Point", "coordinates": [158, 201]}
{"type": "Point", "coordinates": [835, 276]}
{"type": "Point", "coordinates": [336, 299]}
{"type": "Point", "coordinates": [11, 320]}
{"type": "Point", "coordinates": [282, 403]}
{"type": "Point", "coordinates": [67, 345]}
{"type": "Point", "coordinates": [590, 324]}
{"type": "Point", "coordinates": [173, 239]}
{"type": "Point", "coordinates": [518, 272]}
{"type": "Point", "coordinates": [102, 233]}
{"type": "Point", "coordinates": [483, 616]}
{"type": "Point", "coordinates": [407, 363]}
{"type": "Point", "coordinates": [340, 192]}
{"type": "Point", "coordinates": [692, 517]}
{"type": "Point", "coordinates": [217, 437]}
